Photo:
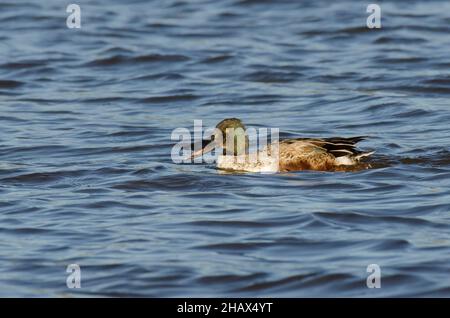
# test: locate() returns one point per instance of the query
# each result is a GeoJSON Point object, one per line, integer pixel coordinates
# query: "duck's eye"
{"type": "Point", "coordinates": [213, 137]}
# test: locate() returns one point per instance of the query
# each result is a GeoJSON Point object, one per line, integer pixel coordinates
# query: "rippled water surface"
{"type": "Point", "coordinates": [86, 175]}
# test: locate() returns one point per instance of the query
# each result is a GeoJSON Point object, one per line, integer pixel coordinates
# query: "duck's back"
{"type": "Point", "coordinates": [298, 155]}
{"type": "Point", "coordinates": [326, 154]}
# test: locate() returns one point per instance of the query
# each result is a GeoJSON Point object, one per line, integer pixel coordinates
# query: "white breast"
{"type": "Point", "coordinates": [344, 161]}
{"type": "Point", "coordinates": [263, 164]}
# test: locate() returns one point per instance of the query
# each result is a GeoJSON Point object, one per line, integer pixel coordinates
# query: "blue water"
{"type": "Point", "coordinates": [86, 175]}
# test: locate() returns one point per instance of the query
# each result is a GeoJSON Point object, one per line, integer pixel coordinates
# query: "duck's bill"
{"type": "Point", "coordinates": [207, 148]}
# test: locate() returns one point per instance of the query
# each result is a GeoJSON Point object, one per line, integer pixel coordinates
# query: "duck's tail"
{"type": "Point", "coordinates": [361, 155]}
{"type": "Point", "coordinates": [351, 160]}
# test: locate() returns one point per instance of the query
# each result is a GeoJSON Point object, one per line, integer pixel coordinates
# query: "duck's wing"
{"type": "Point", "coordinates": [304, 154]}
{"type": "Point", "coordinates": [336, 146]}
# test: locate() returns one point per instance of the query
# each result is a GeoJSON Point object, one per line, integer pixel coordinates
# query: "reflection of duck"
{"type": "Point", "coordinates": [323, 154]}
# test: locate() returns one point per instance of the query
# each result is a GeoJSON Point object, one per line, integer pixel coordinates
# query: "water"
{"type": "Point", "coordinates": [86, 175]}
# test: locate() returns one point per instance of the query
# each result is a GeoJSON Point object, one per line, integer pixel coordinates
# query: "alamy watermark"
{"type": "Point", "coordinates": [74, 278]}
{"type": "Point", "coordinates": [73, 21]}
{"type": "Point", "coordinates": [374, 279]}
{"type": "Point", "coordinates": [374, 19]}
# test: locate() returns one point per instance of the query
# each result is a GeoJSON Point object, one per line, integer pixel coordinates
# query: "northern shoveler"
{"type": "Point", "coordinates": [321, 154]}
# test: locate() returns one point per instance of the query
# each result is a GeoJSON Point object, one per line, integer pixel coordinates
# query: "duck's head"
{"type": "Point", "coordinates": [229, 135]}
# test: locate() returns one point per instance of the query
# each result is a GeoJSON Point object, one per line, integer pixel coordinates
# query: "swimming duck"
{"type": "Point", "coordinates": [321, 154]}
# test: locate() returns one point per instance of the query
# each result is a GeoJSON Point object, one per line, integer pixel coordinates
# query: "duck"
{"type": "Point", "coordinates": [292, 154]}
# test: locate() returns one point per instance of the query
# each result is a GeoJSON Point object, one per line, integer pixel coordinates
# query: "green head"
{"type": "Point", "coordinates": [229, 135]}
{"type": "Point", "coordinates": [235, 139]}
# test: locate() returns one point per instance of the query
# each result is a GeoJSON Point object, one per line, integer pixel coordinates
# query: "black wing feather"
{"type": "Point", "coordinates": [338, 146]}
